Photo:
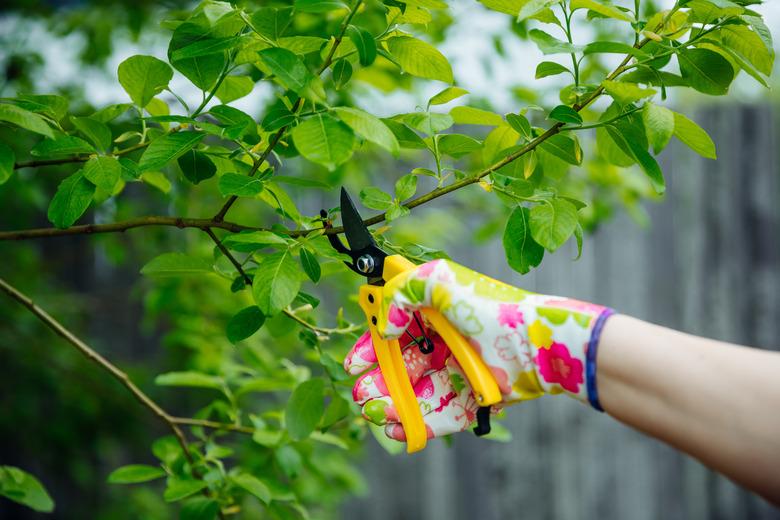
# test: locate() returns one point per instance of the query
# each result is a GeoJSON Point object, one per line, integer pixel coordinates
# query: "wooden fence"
{"type": "Point", "coordinates": [709, 265]}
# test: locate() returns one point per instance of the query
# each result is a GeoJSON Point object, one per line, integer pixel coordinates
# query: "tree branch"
{"type": "Point", "coordinates": [279, 133]}
{"type": "Point", "coordinates": [115, 227]}
{"type": "Point", "coordinates": [102, 362]}
{"type": "Point", "coordinates": [75, 159]}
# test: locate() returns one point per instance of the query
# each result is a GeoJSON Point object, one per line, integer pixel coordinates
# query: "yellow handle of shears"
{"type": "Point", "coordinates": [388, 353]}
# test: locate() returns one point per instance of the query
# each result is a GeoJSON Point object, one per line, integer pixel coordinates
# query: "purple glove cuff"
{"type": "Point", "coordinates": [590, 361]}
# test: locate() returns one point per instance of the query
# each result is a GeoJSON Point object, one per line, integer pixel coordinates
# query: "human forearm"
{"type": "Point", "coordinates": [716, 401]}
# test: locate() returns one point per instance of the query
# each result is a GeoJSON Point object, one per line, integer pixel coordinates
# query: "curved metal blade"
{"type": "Point", "coordinates": [356, 232]}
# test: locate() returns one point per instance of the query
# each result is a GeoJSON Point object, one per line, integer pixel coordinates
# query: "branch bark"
{"type": "Point", "coordinates": [116, 227]}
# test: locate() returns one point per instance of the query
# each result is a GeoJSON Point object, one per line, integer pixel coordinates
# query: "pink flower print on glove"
{"type": "Point", "coordinates": [557, 366]}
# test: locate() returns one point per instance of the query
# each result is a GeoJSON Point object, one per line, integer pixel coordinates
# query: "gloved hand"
{"type": "Point", "coordinates": [532, 343]}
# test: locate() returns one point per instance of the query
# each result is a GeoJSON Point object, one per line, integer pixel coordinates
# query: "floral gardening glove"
{"type": "Point", "coordinates": [532, 343]}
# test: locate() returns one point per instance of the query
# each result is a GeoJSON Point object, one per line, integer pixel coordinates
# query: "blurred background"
{"type": "Point", "coordinates": [705, 259]}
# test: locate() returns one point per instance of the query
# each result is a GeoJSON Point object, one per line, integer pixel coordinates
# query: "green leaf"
{"type": "Point", "coordinates": [500, 138]}
{"type": "Point", "coordinates": [638, 150]}
{"type": "Point", "coordinates": [204, 47]}
{"type": "Point", "coordinates": [196, 166]}
{"type": "Point", "coordinates": [625, 93]}
{"type": "Point", "coordinates": [292, 72]}
{"type": "Point", "coordinates": [61, 145]}
{"type": "Point", "coordinates": [276, 282]}
{"type": "Point", "coordinates": [49, 105]}
{"type": "Point", "coordinates": [419, 58]}
{"type": "Point", "coordinates": [202, 71]}
{"type": "Point", "coordinates": [25, 489]}
{"type": "Point", "coordinates": [179, 488]}
{"type": "Point", "coordinates": [565, 114]}
{"type": "Point", "coordinates": [324, 140]}
{"type": "Point", "coordinates": [176, 264]}
{"type": "Point", "coordinates": [97, 132]}
{"type": "Point", "coordinates": [578, 238]}
{"type": "Point", "coordinates": [464, 115]}
{"type": "Point", "coordinates": [370, 127]}
{"type": "Point", "coordinates": [318, 6]}
{"type": "Point", "coordinates": [521, 125]}
{"type": "Point", "coordinates": [257, 239]}
{"type": "Point", "coordinates": [103, 172]}
{"type": "Point", "coordinates": [157, 180]}
{"type": "Point", "coordinates": [310, 265]}
{"type": "Point", "coordinates": [552, 223]}
{"type": "Point", "coordinates": [235, 87]}
{"type": "Point", "coordinates": [457, 145]}
{"type": "Point", "coordinates": [551, 45]}
{"type": "Point", "coordinates": [189, 379]}
{"type": "Point", "coordinates": [601, 8]}
{"type": "Point", "coordinates": [167, 148]}
{"type": "Point", "coordinates": [364, 43]}
{"type": "Point", "coordinates": [706, 70]}
{"type": "Point", "coordinates": [396, 211]}
{"type": "Point", "coordinates": [549, 68]}
{"type": "Point", "coordinates": [613, 48]}
{"type": "Point", "coordinates": [405, 187]}
{"type": "Point", "coordinates": [342, 72]}
{"type": "Point", "coordinates": [252, 485]}
{"type": "Point", "coordinates": [303, 45]}
{"type": "Point", "coordinates": [563, 147]}
{"type": "Point", "coordinates": [504, 6]}
{"type": "Point", "coordinates": [659, 125]}
{"type": "Point", "coordinates": [289, 459]}
{"type": "Point", "coordinates": [406, 137]}
{"type": "Point", "coordinates": [375, 198]}
{"type": "Point", "coordinates": [694, 136]}
{"type": "Point", "coordinates": [272, 21]}
{"type": "Point", "coordinates": [25, 119]}
{"type": "Point", "coordinates": [531, 8]}
{"type": "Point", "coordinates": [135, 473]}
{"type": "Point", "coordinates": [447, 95]}
{"type": "Point", "coordinates": [245, 323]}
{"type": "Point", "coordinates": [240, 185]}
{"type": "Point", "coordinates": [428, 122]}
{"type": "Point", "coordinates": [750, 46]}
{"type": "Point", "coordinates": [73, 197]}
{"type": "Point", "coordinates": [305, 408]}
{"type": "Point", "coordinates": [522, 251]}
{"type": "Point", "coordinates": [199, 508]}
{"type": "Point", "coordinates": [277, 117]}
{"type": "Point", "coordinates": [7, 161]}
{"type": "Point", "coordinates": [143, 77]}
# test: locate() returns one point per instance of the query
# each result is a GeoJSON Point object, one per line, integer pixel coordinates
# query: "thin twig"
{"type": "Point", "coordinates": [213, 425]}
{"type": "Point", "coordinates": [102, 362]}
{"type": "Point", "coordinates": [229, 256]}
{"type": "Point", "coordinates": [279, 133]}
{"type": "Point", "coordinates": [75, 159]}
{"type": "Point", "coordinates": [115, 227]}
{"type": "Point", "coordinates": [319, 331]}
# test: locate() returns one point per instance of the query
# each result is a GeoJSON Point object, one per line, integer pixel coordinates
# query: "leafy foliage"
{"type": "Point", "coordinates": [274, 426]}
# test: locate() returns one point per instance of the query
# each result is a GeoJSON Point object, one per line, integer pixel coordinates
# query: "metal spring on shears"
{"type": "Point", "coordinates": [424, 343]}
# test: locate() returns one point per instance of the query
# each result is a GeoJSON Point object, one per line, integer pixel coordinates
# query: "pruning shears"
{"type": "Point", "coordinates": [368, 260]}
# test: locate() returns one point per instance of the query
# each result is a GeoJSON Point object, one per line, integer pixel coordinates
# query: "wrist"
{"type": "Point", "coordinates": [562, 342]}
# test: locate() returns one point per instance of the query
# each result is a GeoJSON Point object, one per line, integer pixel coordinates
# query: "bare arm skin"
{"type": "Point", "coordinates": [715, 401]}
